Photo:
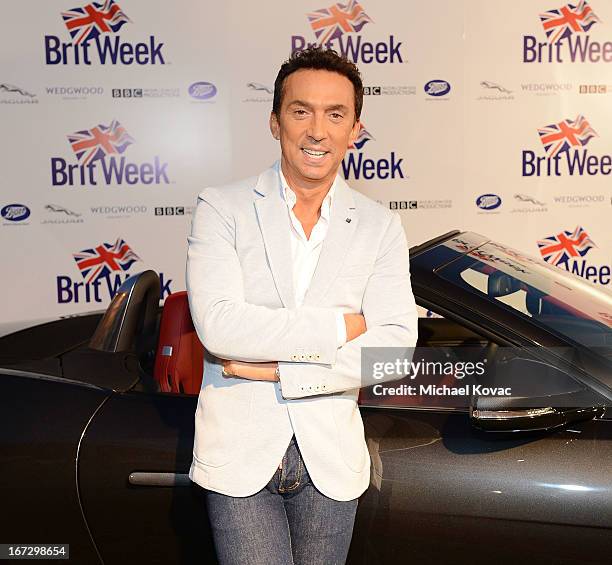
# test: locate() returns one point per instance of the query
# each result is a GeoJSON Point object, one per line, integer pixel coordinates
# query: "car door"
{"type": "Point", "coordinates": [140, 504]}
{"type": "Point", "coordinates": [445, 492]}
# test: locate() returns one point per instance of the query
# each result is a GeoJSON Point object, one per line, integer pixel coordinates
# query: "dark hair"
{"type": "Point", "coordinates": [319, 59]}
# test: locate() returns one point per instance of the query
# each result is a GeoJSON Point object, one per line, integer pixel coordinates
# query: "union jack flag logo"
{"type": "Point", "coordinates": [566, 135]}
{"type": "Point", "coordinates": [102, 260]}
{"type": "Point", "coordinates": [331, 23]}
{"type": "Point", "coordinates": [559, 249]}
{"type": "Point", "coordinates": [362, 138]}
{"type": "Point", "coordinates": [561, 23]}
{"type": "Point", "coordinates": [92, 20]}
{"type": "Point", "coordinates": [100, 141]}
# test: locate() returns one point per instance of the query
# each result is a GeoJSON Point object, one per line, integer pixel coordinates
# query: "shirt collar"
{"type": "Point", "coordinates": [290, 197]}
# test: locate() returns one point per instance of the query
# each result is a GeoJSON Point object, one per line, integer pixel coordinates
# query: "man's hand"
{"type": "Point", "coordinates": [355, 325]}
{"type": "Point", "coordinates": [251, 371]}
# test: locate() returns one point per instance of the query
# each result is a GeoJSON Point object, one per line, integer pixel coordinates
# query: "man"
{"type": "Point", "coordinates": [289, 275]}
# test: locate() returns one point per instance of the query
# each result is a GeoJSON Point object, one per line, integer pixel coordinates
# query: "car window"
{"type": "Point", "coordinates": [564, 304]}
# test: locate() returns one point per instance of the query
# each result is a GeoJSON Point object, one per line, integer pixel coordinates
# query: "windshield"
{"type": "Point", "coordinates": [549, 296]}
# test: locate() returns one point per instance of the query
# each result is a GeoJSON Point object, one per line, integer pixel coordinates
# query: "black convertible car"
{"type": "Point", "coordinates": [97, 424]}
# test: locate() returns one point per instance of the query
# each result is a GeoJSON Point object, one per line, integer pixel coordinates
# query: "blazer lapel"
{"type": "Point", "coordinates": [340, 232]}
{"type": "Point", "coordinates": [273, 219]}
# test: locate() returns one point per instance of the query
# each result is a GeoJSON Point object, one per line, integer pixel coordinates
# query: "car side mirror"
{"type": "Point", "coordinates": [543, 397]}
{"type": "Point", "coordinates": [498, 415]}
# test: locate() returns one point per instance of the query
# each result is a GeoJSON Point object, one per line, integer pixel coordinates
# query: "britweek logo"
{"type": "Point", "coordinates": [93, 30]}
{"type": "Point", "coordinates": [357, 166]}
{"type": "Point", "coordinates": [568, 250]}
{"type": "Point", "coordinates": [567, 37]}
{"type": "Point", "coordinates": [338, 27]}
{"type": "Point", "coordinates": [97, 152]}
{"type": "Point", "coordinates": [103, 268]}
{"type": "Point", "coordinates": [565, 146]}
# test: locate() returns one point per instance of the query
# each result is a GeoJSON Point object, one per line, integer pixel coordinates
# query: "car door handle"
{"type": "Point", "coordinates": [152, 479]}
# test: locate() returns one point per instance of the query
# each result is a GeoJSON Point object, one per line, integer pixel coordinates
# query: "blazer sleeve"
{"type": "Point", "coordinates": [391, 318]}
{"type": "Point", "coordinates": [231, 328]}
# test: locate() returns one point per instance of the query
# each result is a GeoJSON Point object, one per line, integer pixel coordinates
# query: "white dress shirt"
{"type": "Point", "coordinates": [305, 251]}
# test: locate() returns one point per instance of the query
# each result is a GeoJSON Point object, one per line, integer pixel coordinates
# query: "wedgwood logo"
{"type": "Point", "coordinates": [119, 211]}
{"type": "Point", "coordinates": [580, 200]}
{"type": "Point", "coordinates": [74, 92]}
{"type": "Point", "coordinates": [547, 88]}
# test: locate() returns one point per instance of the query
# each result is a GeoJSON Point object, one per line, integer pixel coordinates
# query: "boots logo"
{"type": "Point", "coordinates": [338, 27]}
{"type": "Point", "coordinates": [92, 29]}
{"type": "Point", "coordinates": [356, 165]}
{"type": "Point", "coordinates": [564, 144]}
{"type": "Point", "coordinates": [104, 268]}
{"type": "Point", "coordinates": [567, 37]}
{"type": "Point", "coordinates": [99, 154]}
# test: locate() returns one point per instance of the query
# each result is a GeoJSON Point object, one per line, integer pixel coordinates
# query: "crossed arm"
{"type": "Point", "coordinates": [255, 339]}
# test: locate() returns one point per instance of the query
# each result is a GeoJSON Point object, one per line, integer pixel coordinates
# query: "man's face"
{"type": "Point", "coordinates": [315, 126]}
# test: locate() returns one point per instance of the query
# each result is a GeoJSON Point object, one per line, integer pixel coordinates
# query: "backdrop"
{"type": "Point", "coordinates": [478, 115]}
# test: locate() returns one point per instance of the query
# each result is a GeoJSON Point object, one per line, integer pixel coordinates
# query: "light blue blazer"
{"type": "Point", "coordinates": [240, 287]}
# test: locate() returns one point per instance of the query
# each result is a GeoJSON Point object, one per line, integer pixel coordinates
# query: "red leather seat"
{"type": "Point", "coordinates": [179, 359]}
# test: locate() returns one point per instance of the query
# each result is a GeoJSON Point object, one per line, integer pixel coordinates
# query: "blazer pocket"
{"type": "Point", "coordinates": [222, 420]}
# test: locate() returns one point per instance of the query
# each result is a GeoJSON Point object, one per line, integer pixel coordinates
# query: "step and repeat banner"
{"type": "Point", "coordinates": [487, 116]}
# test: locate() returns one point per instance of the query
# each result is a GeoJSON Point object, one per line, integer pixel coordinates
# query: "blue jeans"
{"type": "Point", "coordinates": [288, 522]}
